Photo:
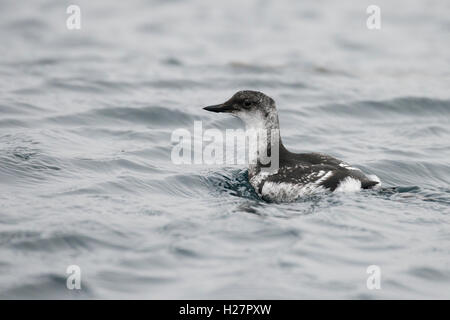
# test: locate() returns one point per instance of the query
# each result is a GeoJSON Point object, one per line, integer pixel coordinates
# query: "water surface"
{"type": "Point", "coordinates": [85, 171]}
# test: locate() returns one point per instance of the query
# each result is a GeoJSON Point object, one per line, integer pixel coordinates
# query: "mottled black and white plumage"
{"type": "Point", "coordinates": [297, 174]}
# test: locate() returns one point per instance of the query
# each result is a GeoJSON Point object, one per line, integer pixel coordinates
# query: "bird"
{"type": "Point", "coordinates": [295, 174]}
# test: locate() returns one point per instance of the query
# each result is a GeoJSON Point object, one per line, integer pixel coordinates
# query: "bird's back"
{"type": "Point", "coordinates": [306, 173]}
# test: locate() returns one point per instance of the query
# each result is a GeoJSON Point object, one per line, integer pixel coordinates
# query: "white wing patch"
{"type": "Point", "coordinates": [287, 191]}
{"type": "Point", "coordinates": [323, 176]}
{"type": "Point", "coordinates": [284, 191]}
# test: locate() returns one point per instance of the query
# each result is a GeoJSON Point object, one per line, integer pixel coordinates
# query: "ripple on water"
{"type": "Point", "coordinates": [154, 116]}
{"type": "Point", "coordinates": [410, 107]}
{"type": "Point", "coordinates": [21, 160]}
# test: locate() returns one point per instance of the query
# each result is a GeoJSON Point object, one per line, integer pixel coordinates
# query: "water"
{"type": "Point", "coordinates": [85, 171]}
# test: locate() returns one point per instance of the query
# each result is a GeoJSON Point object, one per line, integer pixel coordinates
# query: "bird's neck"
{"type": "Point", "coordinates": [264, 150]}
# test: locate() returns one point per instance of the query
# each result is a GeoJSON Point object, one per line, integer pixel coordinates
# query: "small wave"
{"type": "Point", "coordinates": [88, 85]}
{"type": "Point", "coordinates": [411, 172]}
{"type": "Point", "coordinates": [411, 193]}
{"type": "Point", "coordinates": [18, 108]}
{"type": "Point", "coordinates": [27, 24]}
{"type": "Point", "coordinates": [252, 68]}
{"type": "Point", "coordinates": [20, 160]}
{"type": "Point", "coordinates": [35, 241]}
{"type": "Point", "coordinates": [403, 106]}
{"type": "Point", "coordinates": [13, 123]}
{"type": "Point", "coordinates": [45, 286]}
{"type": "Point", "coordinates": [233, 182]}
{"type": "Point", "coordinates": [152, 115]}
{"type": "Point", "coordinates": [428, 273]}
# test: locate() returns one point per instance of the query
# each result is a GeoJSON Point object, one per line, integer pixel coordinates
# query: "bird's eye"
{"type": "Point", "coordinates": [247, 103]}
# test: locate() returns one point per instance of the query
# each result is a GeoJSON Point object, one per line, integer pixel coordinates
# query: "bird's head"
{"type": "Point", "coordinates": [254, 108]}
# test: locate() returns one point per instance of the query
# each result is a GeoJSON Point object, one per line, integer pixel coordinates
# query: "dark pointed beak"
{"type": "Point", "coordinates": [218, 108]}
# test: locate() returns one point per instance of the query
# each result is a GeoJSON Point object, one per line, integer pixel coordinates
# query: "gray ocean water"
{"type": "Point", "coordinates": [86, 176]}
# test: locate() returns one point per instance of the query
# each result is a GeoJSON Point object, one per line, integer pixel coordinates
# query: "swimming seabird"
{"type": "Point", "coordinates": [297, 174]}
